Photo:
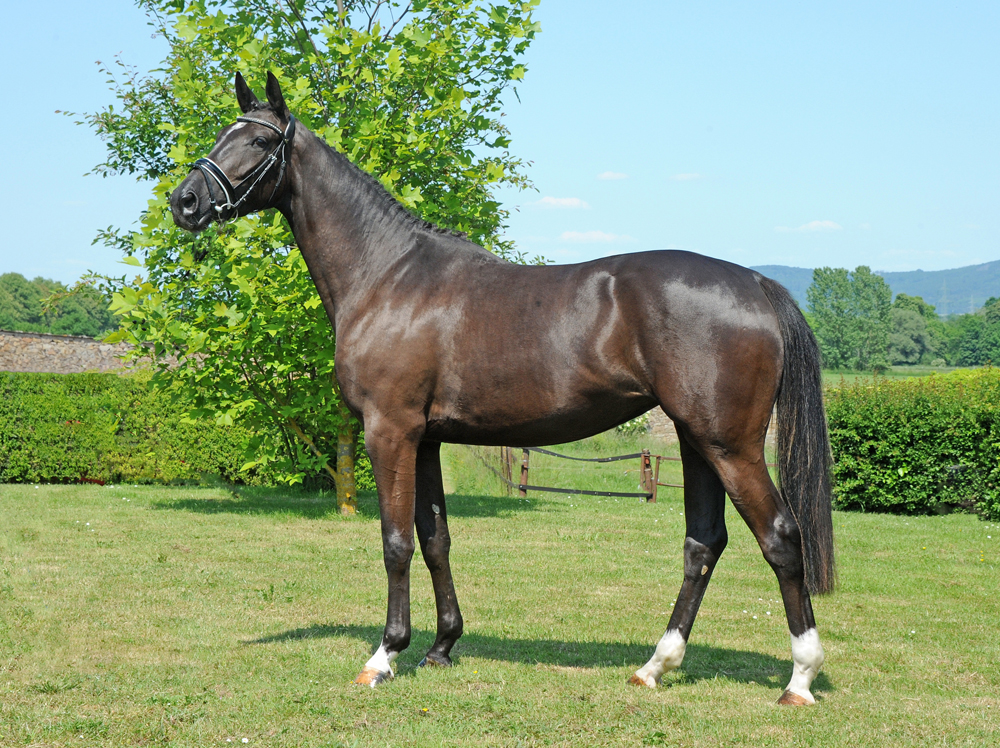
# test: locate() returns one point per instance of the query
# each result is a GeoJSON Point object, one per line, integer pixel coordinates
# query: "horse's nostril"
{"type": "Point", "coordinates": [189, 202]}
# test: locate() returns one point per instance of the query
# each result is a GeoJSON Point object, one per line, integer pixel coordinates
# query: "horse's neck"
{"type": "Point", "coordinates": [349, 233]}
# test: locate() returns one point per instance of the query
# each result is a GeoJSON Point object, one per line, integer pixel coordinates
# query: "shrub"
{"type": "Point", "coordinates": [635, 427]}
{"type": "Point", "coordinates": [918, 446]}
{"type": "Point", "coordinates": [64, 428]}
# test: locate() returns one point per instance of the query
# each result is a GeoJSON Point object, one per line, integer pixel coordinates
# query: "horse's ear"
{"type": "Point", "coordinates": [274, 96]}
{"type": "Point", "coordinates": [244, 96]}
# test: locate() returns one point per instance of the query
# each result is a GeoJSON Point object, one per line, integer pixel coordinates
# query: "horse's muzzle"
{"type": "Point", "coordinates": [190, 209]}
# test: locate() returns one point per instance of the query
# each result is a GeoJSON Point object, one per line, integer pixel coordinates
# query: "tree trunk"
{"type": "Point", "coordinates": [346, 489]}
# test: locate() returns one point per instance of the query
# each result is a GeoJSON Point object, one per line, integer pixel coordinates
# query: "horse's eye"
{"type": "Point", "coordinates": [260, 142]}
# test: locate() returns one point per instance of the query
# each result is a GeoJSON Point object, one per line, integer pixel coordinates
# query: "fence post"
{"type": "Point", "coordinates": [524, 473]}
{"type": "Point", "coordinates": [646, 472]}
{"type": "Point", "coordinates": [656, 479]}
{"type": "Point", "coordinates": [507, 465]}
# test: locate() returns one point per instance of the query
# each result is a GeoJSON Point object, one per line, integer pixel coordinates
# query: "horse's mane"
{"type": "Point", "coordinates": [384, 198]}
{"type": "Point", "coordinates": [379, 194]}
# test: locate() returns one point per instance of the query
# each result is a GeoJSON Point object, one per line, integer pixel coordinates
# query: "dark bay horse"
{"type": "Point", "coordinates": [434, 334]}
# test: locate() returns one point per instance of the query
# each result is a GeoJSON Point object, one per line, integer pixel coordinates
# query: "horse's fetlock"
{"type": "Point", "coordinates": [451, 626]}
{"type": "Point", "coordinates": [395, 640]}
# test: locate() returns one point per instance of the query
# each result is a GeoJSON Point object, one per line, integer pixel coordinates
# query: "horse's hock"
{"type": "Point", "coordinates": [58, 354]}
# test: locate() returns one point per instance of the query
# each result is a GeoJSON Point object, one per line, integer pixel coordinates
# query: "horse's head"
{"type": "Point", "coordinates": [245, 171]}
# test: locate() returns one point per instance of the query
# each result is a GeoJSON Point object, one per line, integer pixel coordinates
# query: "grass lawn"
{"type": "Point", "coordinates": [171, 616]}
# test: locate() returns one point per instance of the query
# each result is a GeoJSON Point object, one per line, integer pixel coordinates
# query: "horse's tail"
{"type": "Point", "coordinates": [804, 458]}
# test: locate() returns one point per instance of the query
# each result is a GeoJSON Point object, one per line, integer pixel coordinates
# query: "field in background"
{"type": "Point", "coordinates": [201, 617]}
{"type": "Point", "coordinates": [466, 470]}
{"type": "Point", "coordinates": [836, 378]}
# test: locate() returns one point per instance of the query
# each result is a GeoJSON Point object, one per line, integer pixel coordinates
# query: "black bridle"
{"type": "Point", "coordinates": [209, 168]}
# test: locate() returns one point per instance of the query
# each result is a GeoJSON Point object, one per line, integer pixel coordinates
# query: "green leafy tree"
{"type": "Point", "coordinates": [411, 93]}
{"type": "Point", "coordinates": [850, 313]}
{"type": "Point", "coordinates": [909, 340]}
{"type": "Point", "coordinates": [43, 305]}
{"type": "Point", "coordinates": [979, 344]}
{"type": "Point", "coordinates": [917, 334]}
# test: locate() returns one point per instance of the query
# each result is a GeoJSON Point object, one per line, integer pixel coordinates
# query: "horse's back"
{"type": "Point", "coordinates": [558, 352]}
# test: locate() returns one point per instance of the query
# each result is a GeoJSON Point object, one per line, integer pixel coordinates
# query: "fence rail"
{"type": "Point", "coordinates": [649, 473]}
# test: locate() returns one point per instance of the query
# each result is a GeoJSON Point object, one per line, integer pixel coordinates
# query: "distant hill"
{"type": "Point", "coordinates": [955, 291]}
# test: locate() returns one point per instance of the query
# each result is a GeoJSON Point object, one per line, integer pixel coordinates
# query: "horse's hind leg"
{"type": "Point", "coordinates": [704, 514]}
{"type": "Point", "coordinates": [435, 542]}
{"type": "Point", "coordinates": [757, 500]}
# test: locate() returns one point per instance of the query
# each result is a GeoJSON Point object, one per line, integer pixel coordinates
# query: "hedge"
{"type": "Point", "coordinates": [918, 446]}
{"type": "Point", "coordinates": [110, 428]}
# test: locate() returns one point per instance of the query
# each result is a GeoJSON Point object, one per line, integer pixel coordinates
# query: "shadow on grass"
{"type": "Point", "coordinates": [318, 505]}
{"type": "Point", "coordinates": [702, 662]}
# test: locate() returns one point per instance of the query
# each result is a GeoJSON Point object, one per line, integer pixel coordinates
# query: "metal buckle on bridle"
{"type": "Point", "coordinates": [209, 168]}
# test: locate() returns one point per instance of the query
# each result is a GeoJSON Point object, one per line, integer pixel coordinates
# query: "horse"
{"type": "Point", "coordinates": [434, 333]}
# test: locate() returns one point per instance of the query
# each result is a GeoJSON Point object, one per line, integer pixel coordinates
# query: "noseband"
{"type": "Point", "coordinates": [209, 168]}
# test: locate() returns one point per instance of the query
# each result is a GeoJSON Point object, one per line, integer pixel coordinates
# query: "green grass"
{"type": "Point", "coordinates": [196, 617]}
{"type": "Point", "coordinates": [836, 378]}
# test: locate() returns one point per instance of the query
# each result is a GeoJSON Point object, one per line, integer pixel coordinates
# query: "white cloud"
{"type": "Point", "coordinates": [561, 202]}
{"type": "Point", "coordinates": [593, 237]}
{"type": "Point", "coordinates": [612, 175]}
{"type": "Point", "coordinates": [811, 226]}
{"type": "Point", "coordinates": [686, 177]}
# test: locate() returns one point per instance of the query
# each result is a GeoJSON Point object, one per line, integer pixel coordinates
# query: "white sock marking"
{"type": "Point", "coordinates": [807, 654]}
{"type": "Point", "coordinates": [382, 660]}
{"type": "Point", "coordinates": [669, 655]}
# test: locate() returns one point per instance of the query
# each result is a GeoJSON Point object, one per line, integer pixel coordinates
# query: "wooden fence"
{"type": "Point", "coordinates": [649, 472]}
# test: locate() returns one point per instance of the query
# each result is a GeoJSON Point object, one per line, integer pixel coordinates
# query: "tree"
{"type": "Point", "coordinates": [850, 314]}
{"type": "Point", "coordinates": [909, 339]}
{"type": "Point", "coordinates": [412, 94]}
{"type": "Point", "coordinates": [979, 344]}
{"type": "Point", "coordinates": [917, 334]}
{"type": "Point", "coordinates": [43, 305]}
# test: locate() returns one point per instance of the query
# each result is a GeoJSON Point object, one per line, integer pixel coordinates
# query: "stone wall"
{"type": "Point", "coordinates": [57, 354]}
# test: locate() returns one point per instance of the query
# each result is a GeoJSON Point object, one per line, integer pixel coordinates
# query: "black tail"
{"type": "Point", "coordinates": [804, 458]}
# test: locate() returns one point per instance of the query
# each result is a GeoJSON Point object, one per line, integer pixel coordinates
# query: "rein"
{"type": "Point", "coordinates": [209, 168]}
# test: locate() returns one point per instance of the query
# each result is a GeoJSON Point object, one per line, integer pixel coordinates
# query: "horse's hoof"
{"type": "Point", "coordinates": [434, 661]}
{"type": "Point", "coordinates": [793, 699]}
{"type": "Point", "coordinates": [637, 680]}
{"type": "Point", "coordinates": [372, 677]}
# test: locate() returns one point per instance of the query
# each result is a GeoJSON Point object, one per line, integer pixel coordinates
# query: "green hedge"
{"type": "Point", "coordinates": [68, 428]}
{"type": "Point", "coordinates": [918, 446]}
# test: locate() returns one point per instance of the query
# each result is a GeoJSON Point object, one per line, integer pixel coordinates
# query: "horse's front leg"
{"type": "Point", "coordinates": [435, 543]}
{"type": "Point", "coordinates": [393, 454]}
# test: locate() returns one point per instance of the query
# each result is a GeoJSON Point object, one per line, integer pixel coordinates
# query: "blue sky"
{"type": "Point", "coordinates": [804, 134]}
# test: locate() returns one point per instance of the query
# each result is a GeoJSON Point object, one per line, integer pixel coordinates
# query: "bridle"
{"type": "Point", "coordinates": [209, 168]}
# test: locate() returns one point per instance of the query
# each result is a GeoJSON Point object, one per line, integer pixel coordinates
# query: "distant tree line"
{"type": "Point", "coordinates": [43, 305]}
{"type": "Point", "coordinates": [860, 327]}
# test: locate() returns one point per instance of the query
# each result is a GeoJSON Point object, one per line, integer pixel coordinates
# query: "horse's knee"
{"type": "Point", "coordinates": [397, 550]}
